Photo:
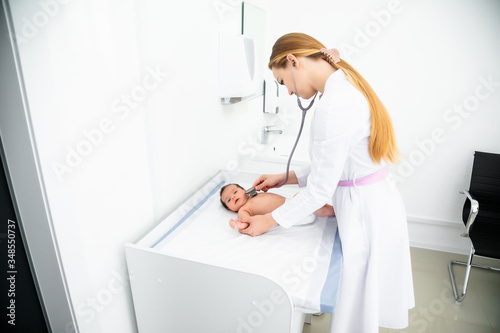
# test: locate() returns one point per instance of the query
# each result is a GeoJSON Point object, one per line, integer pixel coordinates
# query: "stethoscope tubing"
{"type": "Point", "coordinates": [304, 111]}
{"type": "Point", "coordinates": [251, 191]}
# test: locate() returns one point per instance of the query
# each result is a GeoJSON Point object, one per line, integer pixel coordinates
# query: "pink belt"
{"type": "Point", "coordinates": [366, 180]}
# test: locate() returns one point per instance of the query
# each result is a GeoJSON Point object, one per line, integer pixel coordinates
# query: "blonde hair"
{"type": "Point", "coordinates": [382, 138]}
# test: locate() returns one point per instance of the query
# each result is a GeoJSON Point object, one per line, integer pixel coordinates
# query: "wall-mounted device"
{"type": "Point", "coordinates": [242, 57]}
{"type": "Point", "coordinates": [237, 68]}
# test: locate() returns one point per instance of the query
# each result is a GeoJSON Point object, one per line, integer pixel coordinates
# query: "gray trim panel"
{"type": "Point", "coordinates": [27, 185]}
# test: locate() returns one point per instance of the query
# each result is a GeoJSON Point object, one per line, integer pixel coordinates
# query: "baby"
{"type": "Point", "coordinates": [233, 198]}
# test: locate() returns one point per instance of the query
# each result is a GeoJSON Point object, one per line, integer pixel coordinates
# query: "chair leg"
{"type": "Point", "coordinates": [469, 264]}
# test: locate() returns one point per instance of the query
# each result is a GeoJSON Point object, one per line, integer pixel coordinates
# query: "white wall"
{"type": "Point", "coordinates": [425, 59]}
{"type": "Point", "coordinates": [128, 123]}
{"type": "Point", "coordinates": [190, 134]}
{"type": "Point", "coordinates": [82, 58]}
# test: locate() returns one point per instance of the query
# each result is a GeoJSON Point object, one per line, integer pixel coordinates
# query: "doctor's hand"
{"type": "Point", "coordinates": [266, 182]}
{"type": "Point", "coordinates": [258, 224]}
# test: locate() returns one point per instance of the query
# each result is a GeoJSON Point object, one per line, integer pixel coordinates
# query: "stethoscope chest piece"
{"type": "Point", "coordinates": [251, 192]}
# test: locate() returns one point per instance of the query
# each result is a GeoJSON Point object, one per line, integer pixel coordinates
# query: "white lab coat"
{"type": "Point", "coordinates": [377, 286]}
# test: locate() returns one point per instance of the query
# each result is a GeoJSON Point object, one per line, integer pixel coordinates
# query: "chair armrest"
{"type": "Point", "coordinates": [474, 209]}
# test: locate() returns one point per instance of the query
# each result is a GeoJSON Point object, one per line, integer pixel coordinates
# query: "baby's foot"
{"type": "Point", "coordinates": [326, 210]}
{"type": "Point", "coordinates": [237, 225]}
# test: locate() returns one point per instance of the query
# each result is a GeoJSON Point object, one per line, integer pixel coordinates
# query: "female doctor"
{"type": "Point", "coordinates": [352, 141]}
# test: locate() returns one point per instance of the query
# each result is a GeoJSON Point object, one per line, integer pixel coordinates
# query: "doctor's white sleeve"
{"type": "Point", "coordinates": [302, 175]}
{"type": "Point", "coordinates": [333, 131]}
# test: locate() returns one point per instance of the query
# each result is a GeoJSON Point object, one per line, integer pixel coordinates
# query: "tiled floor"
{"type": "Point", "coordinates": [435, 309]}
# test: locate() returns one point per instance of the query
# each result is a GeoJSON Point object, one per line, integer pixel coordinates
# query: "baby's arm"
{"type": "Point", "coordinates": [237, 225]}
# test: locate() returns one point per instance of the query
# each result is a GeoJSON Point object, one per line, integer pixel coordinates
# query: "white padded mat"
{"type": "Point", "coordinates": [297, 258]}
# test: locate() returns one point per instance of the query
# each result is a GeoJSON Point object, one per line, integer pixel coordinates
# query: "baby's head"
{"type": "Point", "coordinates": [233, 197]}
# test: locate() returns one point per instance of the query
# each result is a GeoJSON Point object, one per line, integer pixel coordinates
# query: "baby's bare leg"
{"type": "Point", "coordinates": [326, 210]}
{"type": "Point", "coordinates": [237, 225]}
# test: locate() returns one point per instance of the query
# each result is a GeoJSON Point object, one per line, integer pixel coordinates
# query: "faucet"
{"type": "Point", "coordinates": [266, 130]}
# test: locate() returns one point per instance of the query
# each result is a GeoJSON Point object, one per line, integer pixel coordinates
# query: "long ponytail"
{"type": "Point", "coordinates": [382, 144]}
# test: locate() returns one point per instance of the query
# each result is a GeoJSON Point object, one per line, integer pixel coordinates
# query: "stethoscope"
{"type": "Point", "coordinates": [251, 191]}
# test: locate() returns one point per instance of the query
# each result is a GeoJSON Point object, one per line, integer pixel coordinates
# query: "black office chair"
{"type": "Point", "coordinates": [481, 215]}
